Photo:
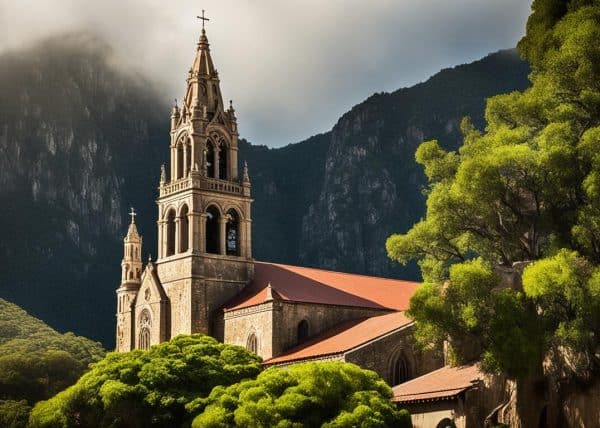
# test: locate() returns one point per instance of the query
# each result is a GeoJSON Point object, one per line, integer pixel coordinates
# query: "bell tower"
{"type": "Point", "coordinates": [131, 274]}
{"type": "Point", "coordinates": [204, 218]}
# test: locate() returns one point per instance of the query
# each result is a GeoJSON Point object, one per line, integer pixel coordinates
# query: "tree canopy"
{"type": "Point", "coordinates": [525, 189]}
{"type": "Point", "coordinates": [146, 388]}
{"type": "Point", "coordinates": [331, 394]}
{"type": "Point", "coordinates": [36, 362]}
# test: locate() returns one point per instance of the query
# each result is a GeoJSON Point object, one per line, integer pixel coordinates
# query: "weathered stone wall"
{"type": "Point", "coordinates": [258, 320]}
{"type": "Point", "coordinates": [319, 318]}
{"type": "Point", "coordinates": [429, 415]}
{"type": "Point", "coordinates": [197, 286]}
{"type": "Point", "coordinates": [381, 355]}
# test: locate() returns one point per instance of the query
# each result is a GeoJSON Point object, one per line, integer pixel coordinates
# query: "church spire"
{"type": "Point", "coordinates": [203, 80]}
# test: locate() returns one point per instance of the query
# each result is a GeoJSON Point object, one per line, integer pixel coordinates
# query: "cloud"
{"type": "Point", "coordinates": [292, 67]}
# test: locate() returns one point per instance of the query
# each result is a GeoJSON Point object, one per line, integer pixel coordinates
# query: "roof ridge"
{"type": "Point", "coordinates": [340, 273]}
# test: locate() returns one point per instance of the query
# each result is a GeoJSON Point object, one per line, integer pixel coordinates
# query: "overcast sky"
{"type": "Point", "coordinates": [292, 67]}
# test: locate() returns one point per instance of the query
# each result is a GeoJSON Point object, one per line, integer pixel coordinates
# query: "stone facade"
{"type": "Point", "coordinates": [286, 316]}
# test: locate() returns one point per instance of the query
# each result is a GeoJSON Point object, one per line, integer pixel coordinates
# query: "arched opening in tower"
{"type": "Point", "coordinates": [223, 162]}
{"type": "Point", "coordinates": [184, 230]}
{"type": "Point", "coordinates": [232, 233]}
{"type": "Point", "coordinates": [210, 160]}
{"type": "Point", "coordinates": [212, 231]}
{"type": "Point", "coordinates": [171, 233]}
{"type": "Point", "coordinates": [180, 165]}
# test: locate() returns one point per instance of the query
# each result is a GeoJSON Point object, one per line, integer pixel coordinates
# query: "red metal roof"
{"type": "Point", "coordinates": [308, 285]}
{"type": "Point", "coordinates": [344, 337]}
{"type": "Point", "coordinates": [441, 384]}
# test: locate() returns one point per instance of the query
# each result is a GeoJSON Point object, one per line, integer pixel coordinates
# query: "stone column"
{"type": "Point", "coordinates": [248, 239]}
{"type": "Point", "coordinates": [162, 239]}
{"type": "Point", "coordinates": [177, 232]}
{"type": "Point", "coordinates": [185, 156]}
{"type": "Point", "coordinates": [173, 163]}
{"type": "Point", "coordinates": [193, 231]}
{"type": "Point", "coordinates": [202, 234]}
{"type": "Point", "coordinates": [233, 165]}
{"type": "Point", "coordinates": [222, 235]}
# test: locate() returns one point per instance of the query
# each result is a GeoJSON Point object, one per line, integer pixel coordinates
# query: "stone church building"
{"type": "Point", "coordinates": [205, 280]}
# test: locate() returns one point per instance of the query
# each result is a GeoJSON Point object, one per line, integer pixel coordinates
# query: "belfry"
{"type": "Point", "coordinates": [204, 223]}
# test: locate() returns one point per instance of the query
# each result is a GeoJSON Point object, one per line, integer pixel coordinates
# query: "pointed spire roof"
{"type": "Point", "coordinates": [132, 232]}
{"type": "Point", "coordinates": [203, 80]}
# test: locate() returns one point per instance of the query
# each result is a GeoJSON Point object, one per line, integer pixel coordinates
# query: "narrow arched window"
{"type": "Point", "coordinates": [210, 160]}
{"type": "Point", "coordinates": [302, 330]}
{"type": "Point", "coordinates": [223, 162]}
{"type": "Point", "coordinates": [184, 230]}
{"type": "Point", "coordinates": [252, 343]}
{"type": "Point", "coordinates": [171, 233]}
{"type": "Point", "coordinates": [180, 165]}
{"type": "Point", "coordinates": [213, 231]}
{"type": "Point", "coordinates": [144, 330]}
{"type": "Point", "coordinates": [400, 371]}
{"type": "Point", "coordinates": [232, 233]}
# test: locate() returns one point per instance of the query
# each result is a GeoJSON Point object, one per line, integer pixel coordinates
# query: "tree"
{"type": "Point", "coordinates": [525, 190]}
{"type": "Point", "coordinates": [14, 414]}
{"type": "Point", "coordinates": [36, 362]}
{"type": "Point", "coordinates": [331, 394]}
{"type": "Point", "coordinates": [146, 388]}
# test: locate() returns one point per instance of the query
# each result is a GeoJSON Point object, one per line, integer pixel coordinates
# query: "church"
{"type": "Point", "coordinates": [205, 280]}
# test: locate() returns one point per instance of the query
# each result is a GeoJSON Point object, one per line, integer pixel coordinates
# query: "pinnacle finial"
{"type": "Point", "coordinates": [132, 213]}
{"type": "Point", "coordinates": [203, 19]}
{"type": "Point", "coordinates": [163, 173]}
{"type": "Point", "coordinates": [149, 258]}
{"type": "Point", "coordinates": [245, 176]}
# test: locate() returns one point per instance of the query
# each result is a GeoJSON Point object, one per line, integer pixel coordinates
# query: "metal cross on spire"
{"type": "Point", "coordinates": [132, 213]}
{"type": "Point", "coordinates": [203, 19]}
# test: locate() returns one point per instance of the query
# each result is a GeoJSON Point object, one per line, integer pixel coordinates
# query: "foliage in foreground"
{"type": "Point", "coordinates": [526, 189]}
{"type": "Point", "coordinates": [148, 388]}
{"type": "Point", "coordinates": [36, 362]}
{"type": "Point", "coordinates": [331, 394]}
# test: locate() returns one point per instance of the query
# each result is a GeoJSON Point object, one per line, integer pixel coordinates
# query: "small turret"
{"type": "Point", "coordinates": [131, 266]}
{"type": "Point", "coordinates": [131, 279]}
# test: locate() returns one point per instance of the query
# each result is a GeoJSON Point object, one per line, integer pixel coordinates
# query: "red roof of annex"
{"type": "Point", "coordinates": [344, 337]}
{"type": "Point", "coordinates": [442, 384]}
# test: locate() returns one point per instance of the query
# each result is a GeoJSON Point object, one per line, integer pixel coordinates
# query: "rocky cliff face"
{"type": "Point", "coordinates": [81, 140]}
{"type": "Point", "coordinates": [76, 145]}
{"type": "Point", "coordinates": [344, 192]}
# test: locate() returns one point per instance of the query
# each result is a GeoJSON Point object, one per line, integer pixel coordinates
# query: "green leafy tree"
{"type": "Point", "coordinates": [526, 189]}
{"type": "Point", "coordinates": [332, 394]}
{"type": "Point", "coordinates": [36, 362]}
{"type": "Point", "coordinates": [148, 388]}
{"type": "Point", "coordinates": [14, 414]}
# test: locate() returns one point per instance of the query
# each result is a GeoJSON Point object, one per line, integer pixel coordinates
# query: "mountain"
{"type": "Point", "coordinates": [332, 200]}
{"type": "Point", "coordinates": [82, 138]}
